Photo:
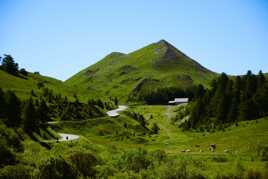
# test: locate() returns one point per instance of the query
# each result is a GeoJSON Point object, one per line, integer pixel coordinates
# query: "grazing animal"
{"type": "Point", "coordinates": [212, 147]}
{"type": "Point", "coordinates": [187, 150]}
{"type": "Point", "coordinates": [200, 150]}
{"type": "Point", "coordinates": [197, 145]}
{"type": "Point", "coordinates": [183, 151]}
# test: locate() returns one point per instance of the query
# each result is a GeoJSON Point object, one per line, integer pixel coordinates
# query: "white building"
{"type": "Point", "coordinates": [179, 101]}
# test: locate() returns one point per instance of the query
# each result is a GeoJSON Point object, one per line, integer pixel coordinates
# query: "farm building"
{"type": "Point", "coordinates": [179, 101]}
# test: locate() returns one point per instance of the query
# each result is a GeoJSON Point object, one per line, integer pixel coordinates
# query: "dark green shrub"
{"type": "Point", "coordinates": [253, 174]}
{"type": "Point", "coordinates": [105, 171]}
{"type": "Point", "coordinates": [57, 168]}
{"type": "Point", "coordinates": [16, 172]}
{"type": "Point", "coordinates": [159, 155]}
{"type": "Point", "coordinates": [11, 138]}
{"type": "Point", "coordinates": [228, 176]}
{"type": "Point", "coordinates": [23, 72]}
{"type": "Point", "coordinates": [134, 160]}
{"type": "Point", "coordinates": [219, 158]}
{"type": "Point", "coordinates": [177, 170]}
{"type": "Point", "coordinates": [155, 128]}
{"type": "Point", "coordinates": [173, 171]}
{"type": "Point", "coordinates": [263, 152]}
{"type": "Point", "coordinates": [6, 156]}
{"type": "Point", "coordinates": [85, 163]}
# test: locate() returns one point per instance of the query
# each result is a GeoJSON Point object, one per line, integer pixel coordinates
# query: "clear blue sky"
{"type": "Point", "coordinates": [60, 37]}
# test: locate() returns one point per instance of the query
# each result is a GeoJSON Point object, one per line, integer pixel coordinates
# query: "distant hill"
{"type": "Point", "coordinates": [23, 85]}
{"type": "Point", "coordinates": [154, 66]}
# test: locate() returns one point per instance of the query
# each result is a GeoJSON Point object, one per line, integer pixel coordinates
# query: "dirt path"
{"type": "Point", "coordinates": [72, 137]}
{"type": "Point", "coordinates": [169, 112]}
{"type": "Point", "coordinates": [168, 127]}
{"type": "Point", "coordinates": [68, 137]}
{"type": "Point", "coordinates": [115, 112]}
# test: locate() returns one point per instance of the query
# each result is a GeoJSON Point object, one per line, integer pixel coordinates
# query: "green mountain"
{"type": "Point", "coordinates": [154, 66]}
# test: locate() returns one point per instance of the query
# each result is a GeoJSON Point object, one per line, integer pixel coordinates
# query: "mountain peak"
{"type": "Point", "coordinates": [154, 66]}
{"type": "Point", "coordinates": [163, 42]}
{"type": "Point", "coordinates": [171, 52]}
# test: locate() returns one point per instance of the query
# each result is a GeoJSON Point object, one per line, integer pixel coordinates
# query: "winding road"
{"type": "Point", "coordinates": [72, 137]}
{"type": "Point", "coordinates": [68, 137]}
{"type": "Point", "coordinates": [115, 112]}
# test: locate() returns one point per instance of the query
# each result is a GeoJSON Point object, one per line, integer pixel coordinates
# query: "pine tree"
{"type": "Point", "coordinates": [9, 65]}
{"type": "Point", "coordinates": [250, 85]}
{"type": "Point", "coordinates": [29, 117]}
{"type": "Point", "coordinates": [234, 110]}
{"type": "Point", "coordinates": [261, 101]}
{"type": "Point", "coordinates": [116, 101]}
{"type": "Point", "coordinates": [196, 114]}
{"type": "Point", "coordinates": [155, 128]}
{"type": "Point", "coordinates": [220, 91]}
{"type": "Point", "coordinates": [222, 109]}
{"type": "Point", "coordinates": [43, 112]}
{"type": "Point", "coordinates": [247, 109]}
{"type": "Point", "coordinates": [2, 103]}
{"type": "Point", "coordinates": [13, 109]}
{"type": "Point", "coordinates": [100, 104]}
{"type": "Point", "coordinates": [261, 80]}
{"type": "Point", "coordinates": [200, 91]}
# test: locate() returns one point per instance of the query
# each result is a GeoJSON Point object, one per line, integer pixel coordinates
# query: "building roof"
{"type": "Point", "coordinates": [179, 100]}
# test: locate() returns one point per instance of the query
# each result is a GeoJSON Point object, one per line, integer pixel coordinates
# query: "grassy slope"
{"type": "Point", "coordinates": [118, 74]}
{"type": "Point", "coordinates": [242, 139]}
{"type": "Point", "coordinates": [107, 138]}
{"type": "Point", "coordinates": [23, 86]}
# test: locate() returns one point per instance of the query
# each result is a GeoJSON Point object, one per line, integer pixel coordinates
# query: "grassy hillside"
{"type": "Point", "coordinates": [156, 65]}
{"type": "Point", "coordinates": [131, 152]}
{"type": "Point", "coordinates": [242, 143]}
{"type": "Point", "coordinates": [23, 85]}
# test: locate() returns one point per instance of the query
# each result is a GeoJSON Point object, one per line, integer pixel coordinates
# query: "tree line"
{"type": "Point", "coordinates": [229, 100]}
{"type": "Point", "coordinates": [35, 112]}
{"type": "Point", "coordinates": [10, 66]}
{"type": "Point", "coordinates": [163, 95]}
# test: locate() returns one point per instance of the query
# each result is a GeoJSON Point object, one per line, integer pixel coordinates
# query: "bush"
{"type": "Point", "coordinates": [155, 128]}
{"type": "Point", "coordinates": [23, 72]}
{"type": "Point", "coordinates": [220, 159]}
{"type": "Point", "coordinates": [57, 168]}
{"type": "Point", "coordinates": [254, 174]}
{"type": "Point", "coordinates": [105, 171]}
{"type": "Point", "coordinates": [134, 160]}
{"type": "Point", "coordinates": [6, 156]}
{"type": "Point", "coordinates": [11, 138]}
{"type": "Point", "coordinates": [159, 155]}
{"type": "Point", "coordinates": [16, 172]}
{"type": "Point", "coordinates": [85, 163]}
{"type": "Point", "coordinates": [174, 172]}
{"type": "Point", "coordinates": [263, 152]}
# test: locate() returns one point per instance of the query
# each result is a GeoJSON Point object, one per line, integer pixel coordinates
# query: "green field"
{"type": "Point", "coordinates": [113, 143]}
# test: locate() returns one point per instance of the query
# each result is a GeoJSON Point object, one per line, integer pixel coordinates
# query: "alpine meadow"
{"type": "Point", "coordinates": [149, 113]}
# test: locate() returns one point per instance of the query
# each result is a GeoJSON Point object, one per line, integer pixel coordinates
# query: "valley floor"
{"type": "Point", "coordinates": [111, 138]}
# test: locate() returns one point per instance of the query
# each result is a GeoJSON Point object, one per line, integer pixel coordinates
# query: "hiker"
{"type": "Point", "coordinates": [212, 147]}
